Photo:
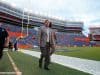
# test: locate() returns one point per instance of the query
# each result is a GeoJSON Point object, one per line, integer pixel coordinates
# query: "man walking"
{"type": "Point", "coordinates": [45, 42]}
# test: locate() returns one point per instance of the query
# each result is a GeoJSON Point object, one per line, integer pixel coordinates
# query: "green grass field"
{"type": "Point", "coordinates": [28, 65]}
{"type": "Point", "coordinates": [5, 65]}
{"type": "Point", "coordinates": [92, 53]}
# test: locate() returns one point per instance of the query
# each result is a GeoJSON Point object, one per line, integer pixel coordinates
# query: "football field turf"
{"type": "Point", "coordinates": [92, 53]}
{"type": "Point", "coordinates": [28, 65]}
{"type": "Point", "coordinates": [5, 65]}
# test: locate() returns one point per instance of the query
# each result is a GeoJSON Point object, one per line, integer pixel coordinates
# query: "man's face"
{"type": "Point", "coordinates": [46, 23]}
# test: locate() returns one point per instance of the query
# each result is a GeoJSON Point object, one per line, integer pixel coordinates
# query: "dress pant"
{"type": "Point", "coordinates": [45, 53]}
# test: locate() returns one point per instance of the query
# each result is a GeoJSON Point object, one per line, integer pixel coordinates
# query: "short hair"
{"type": "Point", "coordinates": [46, 21]}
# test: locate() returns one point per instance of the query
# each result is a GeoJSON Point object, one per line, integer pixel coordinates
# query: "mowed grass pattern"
{"type": "Point", "coordinates": [92, 53]}
{"type": "Point", "coordinates": [28, 65]}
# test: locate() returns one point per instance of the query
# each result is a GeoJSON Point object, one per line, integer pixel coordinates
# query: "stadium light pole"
{"type": "Point", "coordinates": [22, 23]}
{"type": "Point", "coordinates": [29, 11]}
{"type": "Point", "coordinates": [23, 14]}
{"type": "Point", "coordinates": [28, 22]}
{"type": "Point", "coordinates": [28, 16]}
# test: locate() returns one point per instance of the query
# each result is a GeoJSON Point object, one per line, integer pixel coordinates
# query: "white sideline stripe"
{"type": "Point", "coordinates": [85, 65]}
{"type": "Point", "coordinates": [3, 73]}
{"type": "Point", "coordinates": [14, 65]}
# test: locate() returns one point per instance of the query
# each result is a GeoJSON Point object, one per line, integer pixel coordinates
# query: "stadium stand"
{"type": "Point", "coordinates": [68, 33]}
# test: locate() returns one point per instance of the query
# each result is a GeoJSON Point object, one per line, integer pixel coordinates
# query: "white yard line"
{"type": "Point", "coordinates": [8, 73]}
{"type": "Point", "coordinates": [17, 71]}
{"type": "Point", "coordinates": [85, 65]}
